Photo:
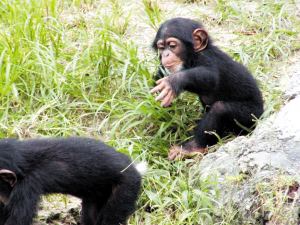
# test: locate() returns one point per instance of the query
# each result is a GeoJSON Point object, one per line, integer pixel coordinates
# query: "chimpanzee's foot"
{"type": "Point", "coordinates": [183, 151]}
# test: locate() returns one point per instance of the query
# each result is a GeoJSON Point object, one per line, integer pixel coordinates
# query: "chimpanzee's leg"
{"type": "Point", "coordinates": [220, 119]}
{"type": "Point", "coordinates": [91, 208]}
{"type": "Point", "coordinates": [122, 201]}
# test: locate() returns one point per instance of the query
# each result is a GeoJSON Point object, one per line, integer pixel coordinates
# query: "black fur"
{"type": "Point", "coordinates": [81, 167]}
{"type": "Point", "coordinates": [224, 86]}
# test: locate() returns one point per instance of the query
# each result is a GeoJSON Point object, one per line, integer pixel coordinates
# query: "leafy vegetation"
{"type": "Point", "coordinates": [71, 67]}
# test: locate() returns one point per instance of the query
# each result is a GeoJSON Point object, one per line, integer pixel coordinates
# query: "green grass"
{"type": "Point", "coordinates": [76, 68]}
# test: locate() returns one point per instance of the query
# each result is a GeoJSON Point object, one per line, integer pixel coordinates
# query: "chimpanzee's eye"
{"type": "Point", "coordinates": [172, 44]}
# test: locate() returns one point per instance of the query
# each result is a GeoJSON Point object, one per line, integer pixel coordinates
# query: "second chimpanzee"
{"type": "Point", "coordinates": [225, 87]}
{"type": "Point", "coordinates": [102, 177]}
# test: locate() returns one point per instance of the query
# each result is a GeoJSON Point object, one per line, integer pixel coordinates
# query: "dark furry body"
{"type": "Point", "coordinates": [225, 87]}
{"type": "Point", "coordinates": [83, 167]}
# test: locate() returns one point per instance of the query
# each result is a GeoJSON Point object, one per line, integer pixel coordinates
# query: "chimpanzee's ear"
{"type": "Point", "coordinates": [8, 176]}
{"type": "Point", "coordinates": [200, 37]}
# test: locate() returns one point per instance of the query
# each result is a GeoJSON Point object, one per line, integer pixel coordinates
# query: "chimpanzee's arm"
{"type": "Point", "coordinates": [22, 202]}
{"type": "Point", "coordinates": [199, 80]}
{"type": "Point", "coordinates": [2, 215]}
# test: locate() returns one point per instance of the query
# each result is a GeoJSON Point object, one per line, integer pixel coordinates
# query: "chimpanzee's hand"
{"type": "Point", "coordinates": [167, 93]}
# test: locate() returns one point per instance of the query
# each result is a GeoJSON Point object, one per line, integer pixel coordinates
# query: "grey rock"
{"type": "Point", "coordinates": [273, 150]}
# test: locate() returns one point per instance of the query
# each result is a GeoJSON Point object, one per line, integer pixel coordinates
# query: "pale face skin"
{"type": "Point", "coordinates": [168, 51]}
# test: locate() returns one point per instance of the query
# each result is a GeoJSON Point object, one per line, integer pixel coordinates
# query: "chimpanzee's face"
{"type": "Point", "coordinates": [170, 51]}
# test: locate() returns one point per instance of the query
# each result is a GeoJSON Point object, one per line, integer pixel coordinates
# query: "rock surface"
{"type": "Point", "coordinates": [269, 160]}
